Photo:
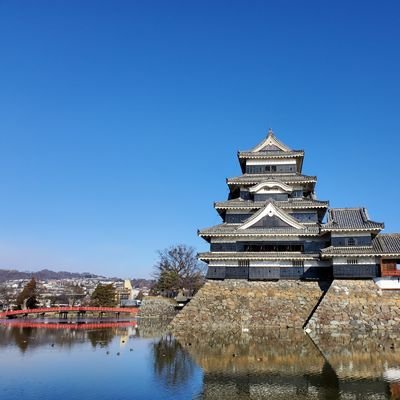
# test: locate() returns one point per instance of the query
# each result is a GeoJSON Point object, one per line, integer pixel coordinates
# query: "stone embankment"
{"type": "Point", "coordinates": [154, 316]}
{"type": "Point", "coordinates": [239, 305]}
{"type": "Point", "coordinates": [157, 307]}
{"type": "Point", "coordinates": [357, 305]}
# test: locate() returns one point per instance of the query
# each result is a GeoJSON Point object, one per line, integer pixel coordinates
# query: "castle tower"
{"type": "Point", "coordinates": [272, 225]}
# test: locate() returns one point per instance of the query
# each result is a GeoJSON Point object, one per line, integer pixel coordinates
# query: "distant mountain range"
{"type": "Point", "coordinates": [10, 274]}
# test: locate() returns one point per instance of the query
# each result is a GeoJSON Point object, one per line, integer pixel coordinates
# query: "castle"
{"type": "Point", "coordinates": [274, 228]}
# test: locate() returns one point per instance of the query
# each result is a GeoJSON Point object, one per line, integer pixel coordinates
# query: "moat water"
{"type": "Point", "coordinates": [120, 361]}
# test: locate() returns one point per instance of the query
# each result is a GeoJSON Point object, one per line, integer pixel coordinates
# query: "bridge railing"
{"type": "Point", "coordinates": [45, 310]}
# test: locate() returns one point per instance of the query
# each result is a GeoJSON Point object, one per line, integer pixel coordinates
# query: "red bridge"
{"type": "Point", "coordinates": [82, 326]}
{"type": "Point", "coordinates": [66, 310]}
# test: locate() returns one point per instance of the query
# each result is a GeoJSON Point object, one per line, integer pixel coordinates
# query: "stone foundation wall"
{"type": "Point", "coordinates": [357, 305]}
{"type": "Point", "coordinates": [238, 305]}
{"type": "Point", "coordinates": [157, 307]}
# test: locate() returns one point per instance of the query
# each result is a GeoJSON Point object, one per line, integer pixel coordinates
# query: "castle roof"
{"type": "Point", "coordinates": [387, 244]}
{"type": "Point", "coordinates": [290, 204]}
{"type": "Point", "coordinates": [268, 220]}
{"type": "Point", "coordinates": [272, 154]}
{"type": "Point", "coordinates": [348, 251]}
{"type": "Point", "coordinates": [271, 144]}
{"type": "Point", "coordinates": [270, 210]}
{"type": "Point", "coordinates": [253, 179]}
{"type": "Point", "coordinates": [232, 230]}
{"type": "Point", "coordinates": [270, 255]}
{"type": "Point", "coordinates": [350, 219]}
{"type": "Point", "coordinates": [271, 148]}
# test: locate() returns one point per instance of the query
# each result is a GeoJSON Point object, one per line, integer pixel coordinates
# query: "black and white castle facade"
{"type": "Point", "coordinates": [273, 227]}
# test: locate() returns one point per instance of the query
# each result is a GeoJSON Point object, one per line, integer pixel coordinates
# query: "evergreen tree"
{"type": "Point", "coordinates": [28, 296]}
{"type": "Point", "coordinates": [104, 296]}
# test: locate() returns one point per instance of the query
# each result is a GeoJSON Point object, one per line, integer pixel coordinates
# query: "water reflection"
{"type": "Point", "coordinates": [279, 364]}
{"type": "Point", "coordinates": [36, 334]}
{"type": "Point", "coordinates": [172, 364]}
{"type": "Point", "coordinates": [101, 362]}
{"type": "Point", "coordinates": [284, 364]}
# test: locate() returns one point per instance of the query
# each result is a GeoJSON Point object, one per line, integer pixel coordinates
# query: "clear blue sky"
{"type": "Point", "coordinates": [120, 120]}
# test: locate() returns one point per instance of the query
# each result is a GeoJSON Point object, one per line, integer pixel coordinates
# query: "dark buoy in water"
{"type": "Point", "coordinates": [118, 354]}
{"type": "Point", "coordinates": [52, 345]}
{"type": "Point", "coordinates": [130, 349]}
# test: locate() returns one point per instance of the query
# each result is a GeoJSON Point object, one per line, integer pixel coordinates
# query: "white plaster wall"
{"type": "Point", "coordinates": [271, 162]}
{"type": "Point", "coordinates": [361, 260]}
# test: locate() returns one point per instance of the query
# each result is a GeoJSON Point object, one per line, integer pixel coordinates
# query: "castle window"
{"type": "Point", "coordinates": [244, 263]}
{"type": "Point", "coordinates": [298, 263]}
{"type": "Point", "coordinates": [352, 261]}
{"type": "Point", "coordinates": [351, 242]}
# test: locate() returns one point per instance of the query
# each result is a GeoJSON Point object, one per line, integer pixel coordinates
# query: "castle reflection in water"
{"type": "Point", "coordinates": [288, 363]}
{"type": "Point", "coordinates": [257, 365]}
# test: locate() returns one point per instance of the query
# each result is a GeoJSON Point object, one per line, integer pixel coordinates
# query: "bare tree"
{"type": "Point", "coordinates": [178, 269]}
{"type": "Point", "coordinates": [74, 292]}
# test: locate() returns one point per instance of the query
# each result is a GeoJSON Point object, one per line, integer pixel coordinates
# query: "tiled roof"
{"type": "Point", "coordinates": [253, 179]}
{"type": "Point", "coordinates": [270, 154]}
{"type": "Point", "coordinates": [271, 142]}
{"type": "Point", "coordinates": [283, 255]}
{"type": "Point", "coordinates": [348, 251]}
{"type": "Point", "coordinates": [288, 205]}
{"type": "Point", "coordinates": [387, 243]}
{"type": "Point", "coordinates": [350, 219]}
{"type": "Point", "coordinates": [225, 229]}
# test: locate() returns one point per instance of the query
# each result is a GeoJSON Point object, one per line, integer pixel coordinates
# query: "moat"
{"type": "Point", "coordinates": [122, 361]}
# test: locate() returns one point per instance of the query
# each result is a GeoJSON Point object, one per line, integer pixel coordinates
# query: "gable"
{"type": "Point", "coordinates": [270, 222]}
{"type": "Point", "coordinates": [270, 147]}
{"type": "Point", "coordinates": [271, 216]}
{"type": "Point", "coordinates": [271, 143]}
{"type": "Point", "coordinates": [271, 187]}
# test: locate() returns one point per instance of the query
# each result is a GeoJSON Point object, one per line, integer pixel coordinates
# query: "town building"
{"type": "Point", "coordinates": [273, 227]}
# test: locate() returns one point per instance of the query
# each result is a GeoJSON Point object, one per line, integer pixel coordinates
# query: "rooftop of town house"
{"type": "Point", "coordinates": [340, 219]}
